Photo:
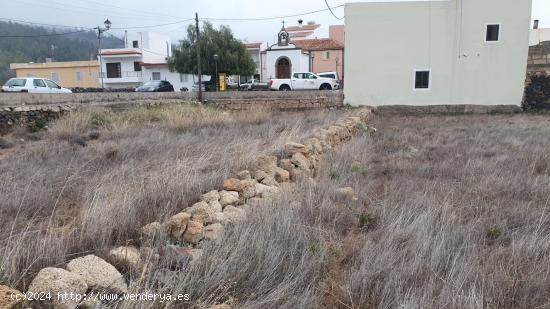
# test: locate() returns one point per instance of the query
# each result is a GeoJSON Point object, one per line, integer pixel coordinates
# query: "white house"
{"type": "Point", "coordinates": [436, 52]}
{"type": "Point", "coordinates": [283, 58]}
{"type": "Point", "coordinates": [538, 35]}
{"type": "Point", "coordinates": [144, 58]}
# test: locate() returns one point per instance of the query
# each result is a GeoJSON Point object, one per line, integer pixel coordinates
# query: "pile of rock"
{"type": "Point", "coordinates": [82, 275]}
{"type": "Point", "coordinates": [205, 220]}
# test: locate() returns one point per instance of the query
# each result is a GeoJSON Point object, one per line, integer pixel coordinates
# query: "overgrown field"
{"type": "Point", "coordinates": [448, 211]}
{"type": "Point", "coordinates": [451, 212]}
{"type": "Point", "coordinates": [96, 176]}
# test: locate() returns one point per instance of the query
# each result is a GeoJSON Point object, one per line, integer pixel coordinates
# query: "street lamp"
{"type": "Point", "coordinates": [217, 78]}
{"type": "Point", "coordinates": [100, 31]}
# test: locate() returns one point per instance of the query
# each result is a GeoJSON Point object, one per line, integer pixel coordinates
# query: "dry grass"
{"type": "Point", "coordinates": [452, 213]}
{"type": "Point", "coordinates": [98, 175]}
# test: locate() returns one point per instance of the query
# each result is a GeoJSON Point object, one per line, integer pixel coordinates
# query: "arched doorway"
{"type": "Point", "coordinates": [283, 67]}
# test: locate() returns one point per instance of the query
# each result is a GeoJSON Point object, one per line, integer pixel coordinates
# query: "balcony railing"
{"type": "Point", "coordinates": [123, 74]}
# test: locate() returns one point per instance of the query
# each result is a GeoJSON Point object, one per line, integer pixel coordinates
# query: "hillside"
{"type": "Point", "coordinates": [77, 46]}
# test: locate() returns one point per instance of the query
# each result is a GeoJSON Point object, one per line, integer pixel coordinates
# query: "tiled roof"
{"type": "Point", "coordinates": [318, 44]}
{"type": "Point", "coordinates": [302, 28]}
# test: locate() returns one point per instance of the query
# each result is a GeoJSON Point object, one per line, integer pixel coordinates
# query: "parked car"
{"type": "Point", "coordinates": [156, 86]}
{"type": "Point", "coordinates": [254, 84]}
{"type": "Point", "coordinates": [304, 81]}
{"type": "Point", "coordinates": [184, 89]}
{"type": "Point", "coordinates": [33, 85]}
{"type": "Point", "coordinates": [333, 75]}
{"type": "Point", "coordinates": [206, 86]}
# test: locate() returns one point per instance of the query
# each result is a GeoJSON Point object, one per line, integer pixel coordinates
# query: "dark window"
{"type": "Point", "coordinates": [137, 66]}
{"type": "Point", "coordinates": [422, 80]}
{"type": "Point", "coordinates": [52, 84]}
{"type": "Point", "coordinates": [113, 70]}
{"type": "Point", "coordinates": [39, 83]}
{"type": "Point", "coordinates": [493, 33]}
{"type": "Point", "coordinates": [135, 44]}
{"type": "Point", "coordinates": [16, 82]}
{"type": "Point", "coordinates": [156, 76]}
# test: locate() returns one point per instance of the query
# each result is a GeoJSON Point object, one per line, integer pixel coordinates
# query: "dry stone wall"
{"type": "Point", "coordinates": [27, 109]}
{"type": "Point", "coordinates": [205, 220]}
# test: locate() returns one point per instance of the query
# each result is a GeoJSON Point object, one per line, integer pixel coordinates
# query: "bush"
{"type": "Point", "coordinates": [537, 92]}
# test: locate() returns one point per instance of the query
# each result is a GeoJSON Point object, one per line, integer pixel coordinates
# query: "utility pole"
{"type": "Point", "coordinates": [199, 56]}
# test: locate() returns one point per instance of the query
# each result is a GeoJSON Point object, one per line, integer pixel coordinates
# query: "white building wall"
{"type": "Point", "coordinates": [386, 42]}
{"type": "Point", "coordinates": [299, 62]}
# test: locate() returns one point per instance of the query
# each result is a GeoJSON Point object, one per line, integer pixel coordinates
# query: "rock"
{"type": "Point", "coordinates": [201, 212]}
{"type": "Point", "coordinates": [54, 281]}
{"type": "Point", "coordinates": [128, 256]}
{"type": "Point", "coordinates": [228, 198]}
{"type": "Point", "coordinates": [234, 215]}
{"type": "Point", "coordinates": [266, 164]}
{"type": "Point", "coordinates": [177, 224]}
{"type": "Point", "coordinates": [282, 175]}
{"type": "Point", "coordinates": [216, 206]}
{"type": "Point", "coordinates": [286, 164]}
{"type": "Point", "coordinates": [346, 193]}
{"type": "Point", "coordinates": [292, 148]}
{"type": "Point", "coordinates": [232, 184]}
{"type": "Point", "coordinates": [194, 232]}
{"type": "Point", "coordinates": [260, 175]}
{"type": "Point", "coordinates": [296, 175]}
{"type": "Point", "coordinates": [301, 162]}
{"type": "Point", "coordinates": [220, 218]}
{"type": "Point", "coordinates": [266, 191]}
{"type": "Point", "coordinates": [248, 188]}
{"type": "Point", "coordinates": [213, 231]}
{"type": "Point", "coordinates": [244, 175]}
{"type": "Point", "coordinates": [270, 181]}
{"type": "Point", "coordinates": [153, 230]}
{"type": "Point", "coordinates": [8, 297]}
{"type": "Point", "coordinates": [98, 274]}
{"type": "Point", "coordinates": [315, 144]}
{"type": "Point", "coordinates": [210, 196]}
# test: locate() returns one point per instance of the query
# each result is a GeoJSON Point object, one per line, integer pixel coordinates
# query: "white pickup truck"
{"type": "Point", "coordinates": [304, 81]}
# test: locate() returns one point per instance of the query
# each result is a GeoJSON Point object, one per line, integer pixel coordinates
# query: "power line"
{"type": "Point", "coordinates": [329, 8]}
{"type": "Point", "coordinates": [273, 17]}
{"type": "Point", "coordinates": [332, 12]}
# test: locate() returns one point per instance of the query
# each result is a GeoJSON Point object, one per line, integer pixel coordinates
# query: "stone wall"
{"type": "Point", "coordinates": [17, 99]}
{"type": "Point", "coordinates": [29, 109]}
{"type": "Point", "coordinates": [30, 115]}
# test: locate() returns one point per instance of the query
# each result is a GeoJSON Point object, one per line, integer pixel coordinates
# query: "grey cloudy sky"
{"type": "Point", "coordinates": [136, 13]}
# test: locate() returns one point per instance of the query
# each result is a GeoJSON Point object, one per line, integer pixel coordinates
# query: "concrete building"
{"type": "Point", "coordinates": [70, 74]}
{"type": "Point", "coordinates": [257, 52]}
{"type": "Point", "coordinates": [436, 52]}
{"type": "Point", "coordinates": [144, 58]}
{"type": "Point", "coordinates": [304, 54]}
{"type": "Point", "coordinates": [309, 31]}
{"type": "Point", "coordinates": [539, 49]}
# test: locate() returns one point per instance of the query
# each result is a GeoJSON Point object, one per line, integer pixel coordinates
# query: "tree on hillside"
{"type": "Point", "coordinates": [233, 58]}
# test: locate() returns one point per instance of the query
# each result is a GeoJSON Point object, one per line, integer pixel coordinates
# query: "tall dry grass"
{"type": "Point", "coordinates": [98, 175]}
{"type": "Point", "coordinates": [452, 212]}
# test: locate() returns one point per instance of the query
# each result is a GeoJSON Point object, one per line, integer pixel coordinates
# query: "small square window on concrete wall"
{"type": "Point", "coordinates": [422, 79]}
{"type": "Point", "coordinates": [493, 33]}
{"type": "Point", "coordinates": [156, 75]}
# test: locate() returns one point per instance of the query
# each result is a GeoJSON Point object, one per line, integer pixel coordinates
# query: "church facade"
{"type": "Point", "coordinates": [283, 58]}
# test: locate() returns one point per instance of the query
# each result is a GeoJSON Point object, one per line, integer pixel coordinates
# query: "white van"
{"type": "Point", "coordinates": [33, 85]}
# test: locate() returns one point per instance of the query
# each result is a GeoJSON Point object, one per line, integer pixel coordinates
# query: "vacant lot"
{"type": "Point", "coordinates": [448, 212]}
{"type": "Point", "coordinates": [452, 212]}
{"type": "Point", "coordinates": [96, 176]}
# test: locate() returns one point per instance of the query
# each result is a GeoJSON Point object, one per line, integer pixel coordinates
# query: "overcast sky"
{"type": "Point", "coordinates": [134, 13]}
